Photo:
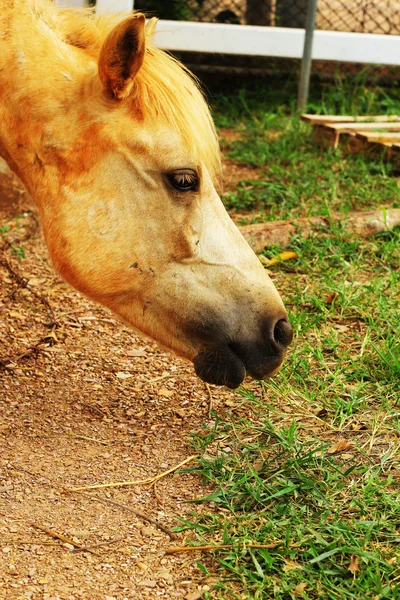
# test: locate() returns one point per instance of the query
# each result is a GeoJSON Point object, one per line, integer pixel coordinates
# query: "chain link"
{"type": "Point", "coordinates": [364, 16]}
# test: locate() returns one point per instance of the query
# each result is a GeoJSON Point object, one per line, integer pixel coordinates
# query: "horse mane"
{"type": "Point", "coordinates": [163, 89]}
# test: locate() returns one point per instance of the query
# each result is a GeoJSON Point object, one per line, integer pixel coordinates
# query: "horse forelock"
{"type": "Point", "coordinates": [163, 90]}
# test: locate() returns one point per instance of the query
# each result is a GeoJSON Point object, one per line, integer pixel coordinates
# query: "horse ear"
{"type": "Point", "coordinates": [121, 56]}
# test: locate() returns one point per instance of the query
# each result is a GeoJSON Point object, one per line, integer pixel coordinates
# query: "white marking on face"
{"type": "Point", "coordinates": [21, 59]}
{"type": "Point", "coordinates": [104, 219]}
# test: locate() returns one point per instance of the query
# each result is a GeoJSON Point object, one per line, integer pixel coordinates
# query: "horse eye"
{"type": "Point", "coordinates": [184, 180]}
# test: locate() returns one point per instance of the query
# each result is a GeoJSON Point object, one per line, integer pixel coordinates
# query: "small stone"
{"type": "Point", "coordinates": [194, 596]}
{"type": "Point", "coordinates": [69, 546]}
{"type": "Point", "coordinates": [148, 583]}
{"type": "Point", "coordinates": [122, 375]}
{"type": "Point", "coordinates": [80, 533]}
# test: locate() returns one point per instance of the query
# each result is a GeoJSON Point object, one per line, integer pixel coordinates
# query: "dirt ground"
{"type": "Point", "coordinates": [83, 401]}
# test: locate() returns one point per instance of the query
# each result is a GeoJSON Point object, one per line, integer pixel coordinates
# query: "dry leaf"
{"type": "Point", "coordinates": [166, 393]}
{"type": "Point", "coordinates": [291, 565]}
{"type": "Point", "coordinates": [122, 375]}
{"type": "Point", "coordinates": [138, 352]}
{"type": "Point", "coordinates": [330, 298]}
{"type": "Point", "coordinates": [299, 589]}
{"type": "Point", "coordinates": [258, 464]}
{"type": "Point", "coordinates": [35, 281]}
{"type": "Point", "coordinates": [342, 328]}
{"type": "Point", "coordinates": [194, 596]}
{"type": "Point", "coordinates": [230, 402]}
{"type": "Point", "coordinates": [340, 445]}
{"type": "Point", "coordinates": [16, 315]}
{"type": "Point", "coordinates": [281, 258]}
{"type": "Point", "coordinates": [354, 567]}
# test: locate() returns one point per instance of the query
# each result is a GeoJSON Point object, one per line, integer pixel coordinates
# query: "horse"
{"type": "Point", "coordinates": [114, 141]}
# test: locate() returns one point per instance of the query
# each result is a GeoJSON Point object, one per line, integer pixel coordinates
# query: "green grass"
{"type": "Point", "coordinates": [331, 520]}
{"type": "Point", "coordinates": [318, 514]}
{"type": "Point", "coordinates": [295, 177]}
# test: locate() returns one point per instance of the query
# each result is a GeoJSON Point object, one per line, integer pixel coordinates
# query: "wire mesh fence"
{"type": "Point", "coordinates": [363, 16]}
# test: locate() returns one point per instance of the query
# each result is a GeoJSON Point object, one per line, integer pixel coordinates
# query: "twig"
{"type": "Point", "coordinates": [133, 511]}
{"type": "Point", "coordinates": [86, 438]}
{"type": "Point", "coordinates": [35, 543]}
{"type": "Point", "coordinates": [150, 480]}
{"type": "Point", "coordinates": [89, 548]}
{"type": "Point", "coordinates": [163, 376]}
{"type": "Point", "coordinates": [23, 282]}
{"type": "Point", "coordinates": [93, 408]}
{"type": "Point", "coordinates": [220, 547]}
{"type": "Point", "coordinates": [210, 396]}
{"type": "Point", "coordinates": [59, 536]}
{"type": "Point", "coordinates": [33, 349]}
{"type": "Point", "coordinates": [70, 435]}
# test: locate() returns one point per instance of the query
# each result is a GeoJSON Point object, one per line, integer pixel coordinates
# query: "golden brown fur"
{"type": "Point", "coordinates": [102, 127]}
{"type": "Point", "coordinates": [160, 79]}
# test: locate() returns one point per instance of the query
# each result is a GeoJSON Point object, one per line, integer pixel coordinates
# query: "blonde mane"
{"type": "Point", "coordinates": [164, 89]}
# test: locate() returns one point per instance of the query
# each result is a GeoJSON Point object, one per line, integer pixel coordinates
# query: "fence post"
{"type": "Point", "coordinates": [307, 56]}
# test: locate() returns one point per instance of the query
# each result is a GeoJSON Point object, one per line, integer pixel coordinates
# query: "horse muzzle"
{"type": "Point", "coordinates": [228, 363]}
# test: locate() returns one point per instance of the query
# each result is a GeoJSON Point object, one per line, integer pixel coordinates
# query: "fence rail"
{"type": "Point", "coordinates": [288, 42]}
{"type": "Point", "coordinates": [277, 41]}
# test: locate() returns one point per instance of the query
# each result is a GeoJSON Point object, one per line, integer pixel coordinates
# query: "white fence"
{"type": "Point", "coordinates": [367, 48]}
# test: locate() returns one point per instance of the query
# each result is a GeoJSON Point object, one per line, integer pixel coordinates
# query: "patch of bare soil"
{"type": "Point", "coordinates": [83, 401]}
{"type": "Point", "coordinates": [228, 135]}
{"type": "Point", "coordinates": [233, 173]}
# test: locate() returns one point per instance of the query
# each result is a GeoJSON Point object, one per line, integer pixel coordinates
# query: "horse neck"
{"type": "Point", "coordinates": [39, 83]}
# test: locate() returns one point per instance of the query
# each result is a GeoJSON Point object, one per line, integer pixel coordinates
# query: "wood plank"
{"type": "Point", "coordinates": [392, 126]}
{"type": "Point", "coordinates": [322, 119]}
{"type": "Point", "coordinates": [388, 137]}
{"type": "Point", "coordinates": [384, 138]}
{"type": "Point", "coordinates": [254, 40]}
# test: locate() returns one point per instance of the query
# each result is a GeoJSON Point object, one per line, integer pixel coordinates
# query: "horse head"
{"type": "Point", "coordinates": [120, 154]}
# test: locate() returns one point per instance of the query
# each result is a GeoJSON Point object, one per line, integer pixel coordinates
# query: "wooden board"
{"type": "Point", "coordinates": [321, 119]}
{"type": "Point", "coordinates": [386, 137]}
{"type": "Point", "coordinates": [377, 134]}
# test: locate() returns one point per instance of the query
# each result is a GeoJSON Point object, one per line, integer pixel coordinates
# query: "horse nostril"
{"type": "Point", "coordinates": [283, 332]}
